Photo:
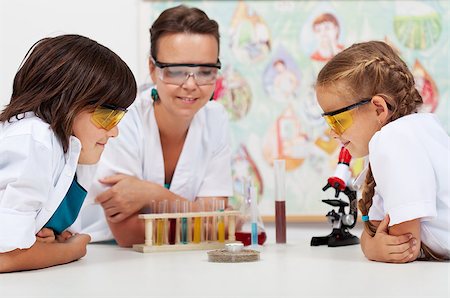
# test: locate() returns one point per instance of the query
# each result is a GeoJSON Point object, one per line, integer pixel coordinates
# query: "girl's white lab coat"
{"type": "Point", "coordinates": [203, 169]}
{"type": "Point", "coordinates": [409, 159]}
{"type": "Point", "coordinates": [35, 175]}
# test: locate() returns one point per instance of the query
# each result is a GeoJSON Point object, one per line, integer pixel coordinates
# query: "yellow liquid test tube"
{"type": "Point", "coordinates": [197, 230]}
{"type": "Point", "coordinates": [160, 232]}
{"type": "Point", "coordinates": [161, 224]}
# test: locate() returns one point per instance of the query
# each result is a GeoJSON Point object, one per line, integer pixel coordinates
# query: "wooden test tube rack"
{"type": "Point", "coordinates": [150, 220]}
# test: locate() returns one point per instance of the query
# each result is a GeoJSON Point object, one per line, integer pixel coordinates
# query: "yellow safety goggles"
{"type": "Point", "coordinates": [107, 116]}
{"type": "Point", "coordinates": [340, 120]}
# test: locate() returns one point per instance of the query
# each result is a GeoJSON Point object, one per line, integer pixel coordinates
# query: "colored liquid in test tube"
{"type": "Point", "coordinates": [254, 210]}
{"type": "Point", "coordinates": [220, 222]}
{"type": "Point", "coordinates": [280, 200]}
{"type": "Point", "coordinates": [161, 224]}
{"type": "Point", "coordinates": [173, 222]}
{"type": "Point", "coordinates": [198, 225]}
{"type": "Point", "coordinates": [214, 206]}
{"type": "Point", "coordinates": [184, 222]}
{"type": "Point", "coordinates": [197, 230]}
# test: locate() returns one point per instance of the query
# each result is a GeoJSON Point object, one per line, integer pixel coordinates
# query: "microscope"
{"type": "Point", "coordinates": [340, 220]}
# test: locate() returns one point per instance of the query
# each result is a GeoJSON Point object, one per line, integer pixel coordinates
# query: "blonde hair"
{"type": "Point", "coordinates": [368, 69]}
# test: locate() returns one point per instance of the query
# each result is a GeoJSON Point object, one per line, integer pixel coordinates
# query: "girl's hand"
{"type": "Point", "coordinates": [383, 247]}
{"type": "Point", "coordinates": [126, 196]}
{"type": "Point", "coordinates": [45, 235]}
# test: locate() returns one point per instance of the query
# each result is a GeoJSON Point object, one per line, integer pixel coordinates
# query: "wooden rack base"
{"type": "Point", "coordinates": [152, 245]}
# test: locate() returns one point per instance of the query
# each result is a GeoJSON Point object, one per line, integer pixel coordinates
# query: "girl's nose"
{"type": "Point", "coordinates": [333, 134]}
{"type": "Point", "coordinates": [113, 132]}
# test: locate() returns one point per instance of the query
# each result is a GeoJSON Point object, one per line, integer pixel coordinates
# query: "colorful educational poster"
{"type": "Point", "coordinates": [272, 51]}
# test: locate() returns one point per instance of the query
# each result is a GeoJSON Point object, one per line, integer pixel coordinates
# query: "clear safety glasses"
{"type": "Point", "coordinates": [107, 116]}
{"type": "Point", "coordinates": [342, 119]}
{"type": "Point", "coordinates": [178, 73]}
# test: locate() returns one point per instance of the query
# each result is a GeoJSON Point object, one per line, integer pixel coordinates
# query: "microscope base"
{"type": "Point", "coordinates": [338, 237]}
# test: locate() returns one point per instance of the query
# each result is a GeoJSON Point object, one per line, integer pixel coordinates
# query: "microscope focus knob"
{"type": "Point", "coordinates": [348, 219]}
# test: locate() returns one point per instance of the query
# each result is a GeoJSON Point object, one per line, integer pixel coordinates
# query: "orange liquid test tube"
{"type": "Point", "coordinates": [197, 230]}
{"type": "Point", "coordinates": [220, 222]}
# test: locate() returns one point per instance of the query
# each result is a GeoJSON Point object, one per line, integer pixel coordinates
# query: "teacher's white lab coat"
{"type": "Point", "coordinates": [203, 169]}
{"type": "Point", "coordinates": [35, 175]}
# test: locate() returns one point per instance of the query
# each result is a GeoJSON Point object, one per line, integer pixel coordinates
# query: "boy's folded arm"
{"type": "Point", "coordinates": [42, 254]}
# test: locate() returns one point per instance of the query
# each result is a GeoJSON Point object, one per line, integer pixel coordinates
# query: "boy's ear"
{"type": "Point", "coordinates": [381, 108]}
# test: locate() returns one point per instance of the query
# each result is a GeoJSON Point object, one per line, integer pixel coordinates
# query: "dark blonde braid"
{"type": "Point", "coordinates": [366, 201]}
{"type": "Point", "coordinates": [406, 99]}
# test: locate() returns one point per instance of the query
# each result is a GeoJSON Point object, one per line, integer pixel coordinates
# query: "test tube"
{"type": "Point", "coordinates": [184, 222]}
{"type": "Point", "coordinates": [152, 209]}
{"type": "Point", "coordinates": [198, 235]}
{"type": "Point", "coordinates": [152, 206]}
{"type": "Point", "coordinates": [214, 206]}
{"type": "Point", "coordinates": [280, 200]}
{"type": "Point", "coordinates": [175, 206]}
{"type": "Point", "coordinates": [161, 226]}
{"type": "Point", "coordinates": [220, 222]}
{"type": "Point", "coordinates": [254, 209]}
{"type": "Point", "coordinates": [189, 223]}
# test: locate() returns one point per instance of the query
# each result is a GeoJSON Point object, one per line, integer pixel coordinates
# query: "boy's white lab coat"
{"type": "Point", "coordinates": [203, 169]}
{"type": "Point", "coordinates": [35, 175]}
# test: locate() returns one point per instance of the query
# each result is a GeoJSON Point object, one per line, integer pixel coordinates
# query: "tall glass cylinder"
{"type": "Point", "coordinates": [280, 200]}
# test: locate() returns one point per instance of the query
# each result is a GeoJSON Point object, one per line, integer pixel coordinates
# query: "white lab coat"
{"type": "Point", "coordinates": [410, 160]}
{"type": "Point", "coordinates": [203, 169]}
{"type": "Point", "coordinates": [35, 175]}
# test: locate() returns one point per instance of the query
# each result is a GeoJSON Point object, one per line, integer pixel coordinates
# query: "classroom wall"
{"type": "Point", "coordinates": [113, 23]}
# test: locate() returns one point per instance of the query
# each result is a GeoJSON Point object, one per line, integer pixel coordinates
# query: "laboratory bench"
{"type": "Point", "coordinates": [295, 269]}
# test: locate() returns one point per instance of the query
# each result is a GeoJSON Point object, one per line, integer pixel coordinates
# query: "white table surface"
{"type": "Point", "coordinates": [292, 270]}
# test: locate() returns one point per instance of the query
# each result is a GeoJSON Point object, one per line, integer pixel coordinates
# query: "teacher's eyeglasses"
{"type": "Point", "coordinates": [179, 73]}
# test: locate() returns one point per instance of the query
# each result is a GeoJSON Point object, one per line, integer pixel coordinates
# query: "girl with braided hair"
{"type": "Point", "coordinates": [369, 100]}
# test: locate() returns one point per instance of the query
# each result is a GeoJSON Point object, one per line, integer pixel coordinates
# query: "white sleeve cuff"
{"type": "Point", "coordinates": [16, 229]}
{"type": "Point", "coordinates": [423, 210]}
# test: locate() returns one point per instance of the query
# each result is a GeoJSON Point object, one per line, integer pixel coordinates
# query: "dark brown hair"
{"type": "Point", "coordinates": [368, 69]}
{"type": "Point", "coordinates": [65, 75]}
{"type": "Point", "coordinates": [181, 19]}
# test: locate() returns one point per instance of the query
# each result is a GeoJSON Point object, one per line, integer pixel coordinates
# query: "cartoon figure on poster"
{"type": "Point", "coordinates": [243, 170]}
{"type": "Point", "coordinates": [281, 78]}
{"type": "Point", "coordinates": [426, 87]}
{"type": "Point", "coordinates": [308, 110]}
{"type": "Point", "coordinates": [286, 140]}
{"type": "Point", "coordinates": [234, 93]}
{"type": "Point", "coordinates": [321, 37]}
{"type": "Point", "coordinates": [326, 29]}
{"type": "Point", "coordinates": [417, 25]}
{"type": "Point", "coordinates": [249, 34]}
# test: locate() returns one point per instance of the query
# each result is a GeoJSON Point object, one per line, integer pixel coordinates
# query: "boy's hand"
{"type": "Point", "coordinates": [45, 235]}
{"type": "Point", "coordinates": [64, 236]}
{"type": "Point", "coordinates": [78, 243]}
